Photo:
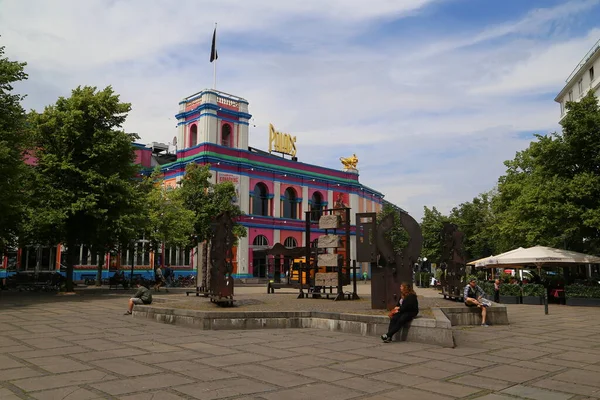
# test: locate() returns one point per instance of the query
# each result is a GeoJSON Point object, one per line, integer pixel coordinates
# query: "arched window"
{"type": "Point", "coordinates": [226, 135]}
{"type": "Point", "coordinates": [193, 135]}
{"type": "Point", "coordinates": [261, 241]}
{"type": "Point", "coordinates": [290, 204]}
{"type": "Point", "coordinates": [260, 203]}
{"type": "Point", "coordinates": [316, 205]}
{"type": "Point", "coordinates": [290, 243]}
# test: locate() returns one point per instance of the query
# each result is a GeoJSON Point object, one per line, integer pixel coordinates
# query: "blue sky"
{"type": "Point", "coordinates": [432, 95]}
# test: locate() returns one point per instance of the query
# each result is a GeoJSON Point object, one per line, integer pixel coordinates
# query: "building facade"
{"type": "Point", "coordinates": [585, 77]}
{"type": "Point", "coordinates": [273, 192]}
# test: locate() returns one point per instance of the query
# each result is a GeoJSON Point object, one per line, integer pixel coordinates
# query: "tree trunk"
{"type": "Point", "coordinates": [71, 260]}
{"type": "Point", "coordinates": [205, 266]}
{"type": "Point", "coordinates": [99, 270]}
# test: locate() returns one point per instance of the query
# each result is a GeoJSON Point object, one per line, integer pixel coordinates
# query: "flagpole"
{"type": "Point", "coordinates": [215, 66]}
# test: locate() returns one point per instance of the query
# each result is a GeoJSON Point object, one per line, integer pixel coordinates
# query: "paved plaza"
{"type": "Point", "coordinates": [82, 347]}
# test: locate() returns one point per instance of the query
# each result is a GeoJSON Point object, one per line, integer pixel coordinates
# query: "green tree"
{"type": "Point", "coordinates": [550, 194]}
{"type": "Point", "coordinates": [14, 142]}
{"type": "Point", "coordinates": [168, 221]}
{"type": "Point", "coordinates": [476, 221]}
{"type": "Point", "coordinates": [123, 221]}
{"type": "Point", "coordinates": [85, 169]}
{"type": "Point", "coordinates": [431, 227]}
{"type": "Point", "coordinates": [207, 201]}
{"type": "Point", "coordinates": [397, 235]}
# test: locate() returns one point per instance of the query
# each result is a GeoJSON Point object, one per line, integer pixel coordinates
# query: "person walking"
{"type": "Point", "coordinates": [497, 291]}
{"type": "Point", "coordinates": [365, 276]}
{"type": "Point", "coordinates": [406, 310]}
{"type": "Point", "coordinates": [158, 279]}
{"type": "Point", "coordinates": [168, 277]}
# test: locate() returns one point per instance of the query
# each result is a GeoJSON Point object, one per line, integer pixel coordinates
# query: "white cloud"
{"type": "Point", "coordinates": [418, 113]}
{"type": "Point", "coordinates": [543, 67]}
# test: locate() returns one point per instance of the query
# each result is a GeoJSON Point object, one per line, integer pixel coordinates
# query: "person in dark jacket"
{"type": "Point", "coordinates": [407, 309]}
{"type": "Point", "coordinates": [142, 296]}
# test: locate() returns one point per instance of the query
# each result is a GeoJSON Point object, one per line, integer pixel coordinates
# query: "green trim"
{"type": "Point", "coordinates": [188, 159]}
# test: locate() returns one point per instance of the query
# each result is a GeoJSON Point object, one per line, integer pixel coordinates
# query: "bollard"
{"type": "Point", "coordinates": [546, 301]}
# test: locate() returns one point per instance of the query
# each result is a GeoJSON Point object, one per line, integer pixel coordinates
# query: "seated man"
{"type": "Point", "coordinates": [142, 296]}
{"type": "Point", "coordinates": [474, 298]}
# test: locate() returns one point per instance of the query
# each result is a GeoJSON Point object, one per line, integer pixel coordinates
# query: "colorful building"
{"type": "Point", "coordinates": [273, 192]}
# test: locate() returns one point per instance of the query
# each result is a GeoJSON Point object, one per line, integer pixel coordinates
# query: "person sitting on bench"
{"type": "Point", "coordinates": [474, 298]}
{"type": "Point", "coordinates": [406, 311]}
{"type": "Point", "coordinates": [142, 296]}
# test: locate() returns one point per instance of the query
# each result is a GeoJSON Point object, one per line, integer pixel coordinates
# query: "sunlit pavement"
{"type": "Point", "coordinates": [82, 347]}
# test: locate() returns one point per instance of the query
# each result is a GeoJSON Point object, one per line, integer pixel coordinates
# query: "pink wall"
{"type": "Point", "coordinates": [321, 191]}
{"type": "Point", "coordinates": [232, 137]}
{"type": "Point", "coordinates": [295, 234]}
{"type": "Point", "coordinates": [189, 135]}
{"type": "Point", "coordinates": [252, 234]}
{"type": "Point", "coordinates": [268, 183]}
{"type": "Point", "coordinates": [143, 157]}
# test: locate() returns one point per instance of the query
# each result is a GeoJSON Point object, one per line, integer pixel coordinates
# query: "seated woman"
{"type": "Point", "coordinates": [407, 309]}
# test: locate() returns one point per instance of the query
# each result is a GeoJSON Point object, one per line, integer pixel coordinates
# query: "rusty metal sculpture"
{"type": "Point", "coordinates": [385, 281]}
{"type": "Point", "coordinates": [220, 282]}
{"type": "Point", "coordinates": [453, 261]}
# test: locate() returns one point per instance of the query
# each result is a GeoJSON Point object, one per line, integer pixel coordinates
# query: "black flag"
{"type": "Point", "coordinates": [213, 49]}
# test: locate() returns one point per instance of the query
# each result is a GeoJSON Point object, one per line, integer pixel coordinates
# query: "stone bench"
{"type": "Point", "coordinates": [436, 331]}
{"type": "Point", "coordinates": [463, 315]}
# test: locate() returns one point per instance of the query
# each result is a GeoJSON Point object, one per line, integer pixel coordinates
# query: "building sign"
{"type": "Point", "coordinates": [281, 142]}
{"type": "Point", "coordinates": [193, 103]}
{"type": "Point", "coordinates": [235, 180]}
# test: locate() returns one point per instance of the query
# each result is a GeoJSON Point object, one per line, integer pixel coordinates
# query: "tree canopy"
{"type": "Point", "coordinates": [550, 194]}
{"type": "Point", "coordinates": [207, 200]}
{"type": "Point", "coordinates": [14, 143]}
{"type": "Point", "coordinates": [168, 221]}
{"type": "Point", "coordinates": [85, 170]}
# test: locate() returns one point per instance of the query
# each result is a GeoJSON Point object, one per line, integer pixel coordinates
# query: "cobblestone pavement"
{"type": "Point", "coordinates": [82, 347]}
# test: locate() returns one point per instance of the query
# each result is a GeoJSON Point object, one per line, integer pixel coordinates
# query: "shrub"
{"type": "Point", "coordinates": [533, 289]}
{"type": "Point", "coordinates": [505, 278]}
{"type": "Point", "coordinates": [581, 291]}
{"type": "Point", "coordinates": [488, 288]}
{"type": "Point", "coordinates": [510, 290]}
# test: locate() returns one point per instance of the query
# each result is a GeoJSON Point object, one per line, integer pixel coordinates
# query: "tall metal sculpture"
{"type": "Point", "coordinates": [220, 282]}
{"type": "Point", "coordinates": [385, 281]}
{"type": "Point", "coordinates": [453, 261]}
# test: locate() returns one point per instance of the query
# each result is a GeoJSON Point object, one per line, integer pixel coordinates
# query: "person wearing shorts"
{"type": "Point", "coordinates": [142, 296]}
{"type": "Point", "coordinates": [474, 298]}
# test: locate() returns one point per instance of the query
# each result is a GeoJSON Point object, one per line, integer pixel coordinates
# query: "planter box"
{"type": "Point", "coordinates": [537, 300]}
{"type": "Point", "coordinates": [510, 299]}
{"type": "Point", "coordinates": [582, 301]}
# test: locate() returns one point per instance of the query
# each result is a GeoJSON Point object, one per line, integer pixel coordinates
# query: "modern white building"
{"type": "Point", "coordinates": [585, 77]}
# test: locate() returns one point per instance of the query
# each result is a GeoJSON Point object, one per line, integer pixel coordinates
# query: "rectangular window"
{"type": "Point", "coordinates": [94, 259]}
{"type": "Point", "coordinates": [46, 259]}
{"type": "Point", "coordinates": [591, 75]}
{"type": "Point", "coordinates": [139, 254]}
{"type": "Point", "coordinates": [171, 256]}
{"type": "Point", "coordinates": [31, 259]}
{"type": "Point", "coordinates": [580, 86]}
{"type": "Point", "coordinates": [84, 255]}
{"type": "Point", "coordinates": [570, 95]}
{"type": "Point", "coordinates": [184, 257]}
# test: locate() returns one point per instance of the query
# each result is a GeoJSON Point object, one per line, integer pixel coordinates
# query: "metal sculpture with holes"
{"type": "Point", "coordinates": [398, 266]}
